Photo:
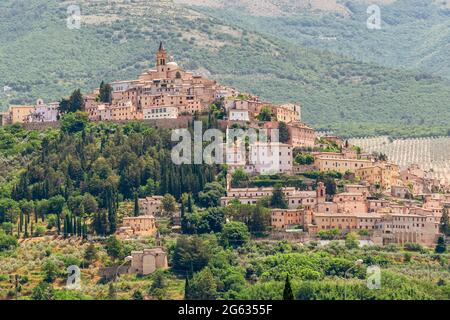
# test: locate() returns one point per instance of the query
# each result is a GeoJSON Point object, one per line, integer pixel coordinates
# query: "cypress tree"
{"type": "Point", "coordinates": [65, 227]}
{"type": "Point", "coordinates": [79, 227]}
{"type": "Point", "coordinates": [189, 204]}
{"type": "Point", "coordinates": [136, 205]}
{"type": "Point", "coordinates": [441, 246]}
{"type": "Point", "coordinates": [287, 292]}
{"type": "Point", "coordinates": [20, 220]}
{"type": "Point", "coordinates": [444, 226]}
{"type": "Point", "coordinates": [112, 220]}
{"type": "Point", "coordinates": [25, 235]}
{"type": "Point", "coordinates": [84, 235]}
{"type": "Point", "coordinates": [58, 222]}
{"type": "Point", "coordinates": [104, 223]}
{"type": "Point", "coordinates": [186, 288]}
{"type": "Point", "coordinates": [74, 226]}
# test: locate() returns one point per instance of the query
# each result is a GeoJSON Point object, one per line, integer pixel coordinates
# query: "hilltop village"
{"type": "Point", "coordinates": [344, 189]}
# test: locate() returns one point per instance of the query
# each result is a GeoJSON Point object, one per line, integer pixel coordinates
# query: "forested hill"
{"type": "Point", "coordinates": [90, 168]}
{"type": "Point", "coordinates": [414, 33]}
{"type": "Point", "coordinates": [41, 57]}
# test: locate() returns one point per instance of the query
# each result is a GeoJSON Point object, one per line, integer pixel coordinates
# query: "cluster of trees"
{"type": "Point", "coordinates": [211, 269]}
{"type": "Point", "coordinates": [256, 217]}
{"type": "Point", "coordinates": [75, 103]}
{"type": "Point", "coordinates": [105, 95]}
{"type": "Point", "coordinates": [7, 241]}
{"type": "Point", "coordinates": [283, 132]}
{"type": "Point", "coordinates": [265, 114]}
{"type": "Point", "coordinates": [285, 271]}
{"type": "Point", "coordinates": [72, 104]}
{"type": "Point", "coordinates": [79, 176]}
{"type": "Point", "coordinates": [304, 159]}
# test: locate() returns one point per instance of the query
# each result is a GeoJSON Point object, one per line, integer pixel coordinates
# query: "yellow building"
{"type": "Point", "coordinates": [339, 164]}
{"type": "Point", "coordinates": [346, 221]}
{"type": "Point", "coordinates": [19, 114]}
{"type": "Point", "coordinates": [384, 175]}
{"type": "Point", "coordinates": [287, 114]}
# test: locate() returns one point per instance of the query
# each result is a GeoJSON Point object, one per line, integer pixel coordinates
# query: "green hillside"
{"type": "Point", "coordinates": [414, 33]}
{"type": "Point", "coordinates": [41, 57]}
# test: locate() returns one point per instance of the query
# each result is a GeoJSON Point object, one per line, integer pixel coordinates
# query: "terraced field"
{"type": "Point", "coordinates": [431, 154]}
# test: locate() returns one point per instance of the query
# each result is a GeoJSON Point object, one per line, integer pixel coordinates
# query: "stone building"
{"type": "Point", "coordinates": [340, 163]}
{"type": "Point", "coordinates": [292, 113]}
{"type": "Point", "coordinates": [346, 222]}
{"type": "Point", "coordinates": [148, 261]}
{"type": "Point", "coordinates": [301, 135]}
{"type": "Point", "coordinates": [295, 199]}
{"type": "Point", "coordinates": [238, 115]}
{"type": "Point", "coordinates": [151, 206]}
{"type": "Point", "coordinates": [19, 114]}
{"type": "Point", "coordinates": [164, 92]}
{"type": "Point", "coordinates": [415, 228]}
{"type": "Point", "coordinates": [164, 112]}
{"type": "Point", "coordinates": [137, 226]}
{"type": "Point", "coordinates": [383, 174]}
{"type": "Point", "coordinates": [282, 219]}
{"type": "Point", "coordinates": [40, 112]}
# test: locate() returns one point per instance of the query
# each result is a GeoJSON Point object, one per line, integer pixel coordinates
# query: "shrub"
{"type": "Point", "coordinates": [43, 291]}
{"type": "Point", "coordinates": [39, 231]}
{"type": "Point", "coordinates": [234, 234]}
{"type": "Point", "coordinates": [413, 247]}
{"type": "Point", "coordinates": [7, 242]}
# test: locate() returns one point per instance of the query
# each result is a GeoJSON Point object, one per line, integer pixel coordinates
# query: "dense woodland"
{"type": "Point", "coordinates": [410, 35]}
{"type": "Point", "coordinates": [85, 170]}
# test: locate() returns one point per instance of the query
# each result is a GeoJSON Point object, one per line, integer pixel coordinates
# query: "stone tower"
{"type": "Point", "coordinates": [161, 58]}
{"type": "Point", "coordinates": [321, 192]}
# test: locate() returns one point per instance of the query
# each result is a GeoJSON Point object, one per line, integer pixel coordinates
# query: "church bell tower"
{"type": "Point", "coordinates": [161, 58]}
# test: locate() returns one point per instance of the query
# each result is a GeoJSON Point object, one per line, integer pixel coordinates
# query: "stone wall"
{"type": "Point", "coordinates": [40, 125]}
{"type": "Point", "coordinates": [180, 122]}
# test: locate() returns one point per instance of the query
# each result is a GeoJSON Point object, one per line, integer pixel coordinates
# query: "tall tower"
{"type": "Point", "coordinates": [161, 58]}
{"type": "Point", "coordinates": [321, 192]}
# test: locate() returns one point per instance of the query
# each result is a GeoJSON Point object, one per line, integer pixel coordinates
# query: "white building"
{"type": "Point", "coordinates": [162, 112]}
{"type": "Point", "coordinates": [238, 115]}
{"type": "Point", "coordinates": [271, 157]}
{"type": "Point", "coordinates": [44, 112]}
